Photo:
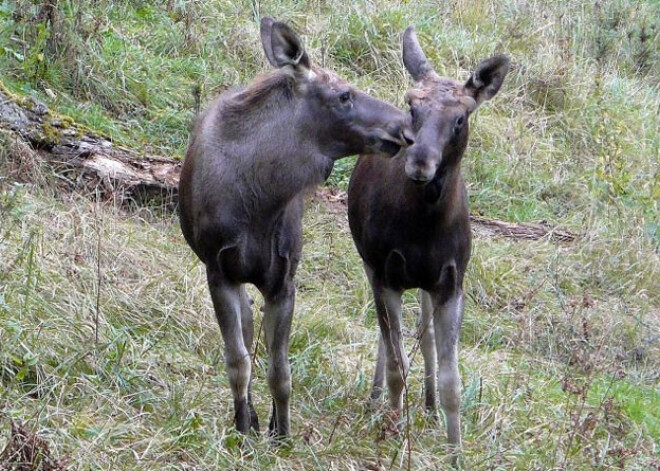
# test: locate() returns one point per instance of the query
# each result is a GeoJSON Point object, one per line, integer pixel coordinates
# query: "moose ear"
{"type": "Point", "coordinates": [283, 47]}
{"type": "Point", "coordinates": [413, 56]}
{"type": "Point", "coordinates": [486, 80]}
{"type": "Point", "coordinates": [265, 31]}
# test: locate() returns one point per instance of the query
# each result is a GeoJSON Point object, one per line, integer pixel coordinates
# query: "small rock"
{"type": "Point", "coordinates": [40, 109]}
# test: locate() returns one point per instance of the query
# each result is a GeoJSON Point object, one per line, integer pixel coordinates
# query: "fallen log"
{"type": "Point", "coordinates": [92, 159]}
{"type": "Point", "coordinates": [87, 159]}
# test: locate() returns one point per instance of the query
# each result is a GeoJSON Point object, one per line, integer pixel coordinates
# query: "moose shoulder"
{"type": "Point", "coordinates": [251, 155]}
{"type": "Point", "coordinates": [410, 222]}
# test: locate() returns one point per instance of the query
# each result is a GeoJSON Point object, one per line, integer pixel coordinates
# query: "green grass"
{"type": "Point", "coordinates": [152, 393]}
{"type": "Point", "coordinates": [559, 347]}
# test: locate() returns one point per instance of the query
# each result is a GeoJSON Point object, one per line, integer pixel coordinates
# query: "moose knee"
{"type": "Point", "coordinates": [239, 370]}
{"type": "Point", "coordinates": [394, 378]}
{"type": "Point", "coordinates": [279, 380]}
{"type": "Point", "coordinates": [449, 384]}
{"type": "Point", "coordinates": [396, 373]}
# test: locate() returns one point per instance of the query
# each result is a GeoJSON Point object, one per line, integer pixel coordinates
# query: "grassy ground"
{"type": "Point", "coordinates": [560, 350]}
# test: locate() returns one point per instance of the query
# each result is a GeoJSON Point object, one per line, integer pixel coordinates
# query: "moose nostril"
{"type": "Point", "coordinates": [408, 136]}
{"type": "Point", "coordinates": [401, 132]}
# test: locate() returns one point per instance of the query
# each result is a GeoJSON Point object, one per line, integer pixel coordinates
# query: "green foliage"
{"type": "Point", "coordinates": [559, 347]}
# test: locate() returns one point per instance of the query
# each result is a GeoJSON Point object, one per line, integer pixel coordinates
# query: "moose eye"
{"type": "Point", "coordinates": [458, 125]}
{"type": "Point", "coordinates": [345, 97]}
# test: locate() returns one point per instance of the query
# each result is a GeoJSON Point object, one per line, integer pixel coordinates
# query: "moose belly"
{"type": "Point", "coordinates": [264, 253]}
{"type": "Point", "coordinates": [412, 267]}
{"type": "Point", "coordinates": [255, 260]}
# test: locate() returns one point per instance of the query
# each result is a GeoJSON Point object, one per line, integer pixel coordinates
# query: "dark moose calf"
{"type": "Point", "coordinates": [409, 220]}
{"type": "Point", "coordinates": [251, 155]}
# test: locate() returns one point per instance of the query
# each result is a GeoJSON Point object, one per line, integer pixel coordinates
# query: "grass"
{"type": "Point", "coordinates": [110, 350]}
{"type": "Point", "coordinates": [540, 358]}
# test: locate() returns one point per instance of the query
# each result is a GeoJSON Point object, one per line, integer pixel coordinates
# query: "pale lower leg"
{"type": "Point", "coordinates": [379, 373]}
{"type": "Point", "coordinates": [447, 323]}
{"type": "Point", "coordinates": [426, 335]}
{"type": "Point", "coordinates": [227, 304]}
{"type": "Point", "coordinates": [396, 363]}
{"type": "Point", "coordinates": [247, 324]}
{"type": "Point", "coordinates": [278, 313]}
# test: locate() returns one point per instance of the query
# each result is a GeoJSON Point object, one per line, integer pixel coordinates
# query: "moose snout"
{"type": "Point", "coordinates": [402, 131]}
{"type": "Point", "coordinates": [394, 136]}
{"type": "Point", "coordinates": [421, 163]}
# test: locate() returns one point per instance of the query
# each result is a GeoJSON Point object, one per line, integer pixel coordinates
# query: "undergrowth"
{"type": "Point", "coordinates": [109, 350]}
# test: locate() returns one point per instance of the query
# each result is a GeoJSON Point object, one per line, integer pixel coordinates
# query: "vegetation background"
{"type": "Point", "coordinates": [109, 350]}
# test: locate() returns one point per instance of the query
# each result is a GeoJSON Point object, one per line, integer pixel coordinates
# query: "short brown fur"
{"type": "Point", "coordinates": [410, 223]}
{"type": "Point", "coordinates": [251, 156]}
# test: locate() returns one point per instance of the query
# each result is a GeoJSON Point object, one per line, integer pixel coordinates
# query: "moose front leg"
{"type": "Point", "coordinates": [447, 319]}
{"type": "Point", "coordinates": [396, 364]}
{"type": "Point", "coordinates": [227, 304]}
{"type": "Point", "coordinates": [278, 313]}
{"type": "Point", "coordinates": [247, 324]}
{"type": "Point", "coordinates": [426, 336]}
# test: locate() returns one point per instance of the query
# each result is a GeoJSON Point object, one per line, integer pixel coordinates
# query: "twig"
{"type": "Point", "coordinates": [98, 273]}
{"type": "Point", "coordinates": [334, 427]}
{"type": "Point", "coordinates": [256, 345]}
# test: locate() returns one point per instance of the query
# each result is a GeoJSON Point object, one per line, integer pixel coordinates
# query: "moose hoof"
{"type": "Point", "coordinates": [254, 419]}
{"type": "Point", "coordinates": [272, 425]}
{"type": "Point", "coordinates": [242, 418]}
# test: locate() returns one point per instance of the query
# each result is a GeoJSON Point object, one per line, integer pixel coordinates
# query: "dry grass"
{"type": "Point", "coordinates": [109, 349]}
{"type": "Point", "coordinates": [559, 364]}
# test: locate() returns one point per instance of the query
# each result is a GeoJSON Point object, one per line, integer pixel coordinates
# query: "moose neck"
{"type": "Point", "coordinates": [258, 125]}
{"type": "Point", "coordinates": [247, 111]}
{"type": "Point", "coordinates": [440, 193]}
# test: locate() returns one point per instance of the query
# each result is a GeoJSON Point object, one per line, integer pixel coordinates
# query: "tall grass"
{"type": "Point", "coordinates": [108, 345]}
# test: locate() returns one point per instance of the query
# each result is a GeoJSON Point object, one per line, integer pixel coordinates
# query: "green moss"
{"type": "Point", "coordinates": [6, 91]}
{"type": "Point", "coordinates": [21, 100]}
{"type": "Point", "coordinates": [51, 134]}
{"type": "Point", "coordinates": [66, 121]}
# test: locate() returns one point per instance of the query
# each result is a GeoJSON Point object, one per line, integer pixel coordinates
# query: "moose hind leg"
{"type": "Point", "coordinates": [227, 304]}
{"type": "Point", "coordinates": [447, 318]}
{"type": "Point", "coordinates": [247, 325]}
{"type": "Point", "coordinates": [278, 313]}
{"type": "Point", "coordinates": [426, 335]}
